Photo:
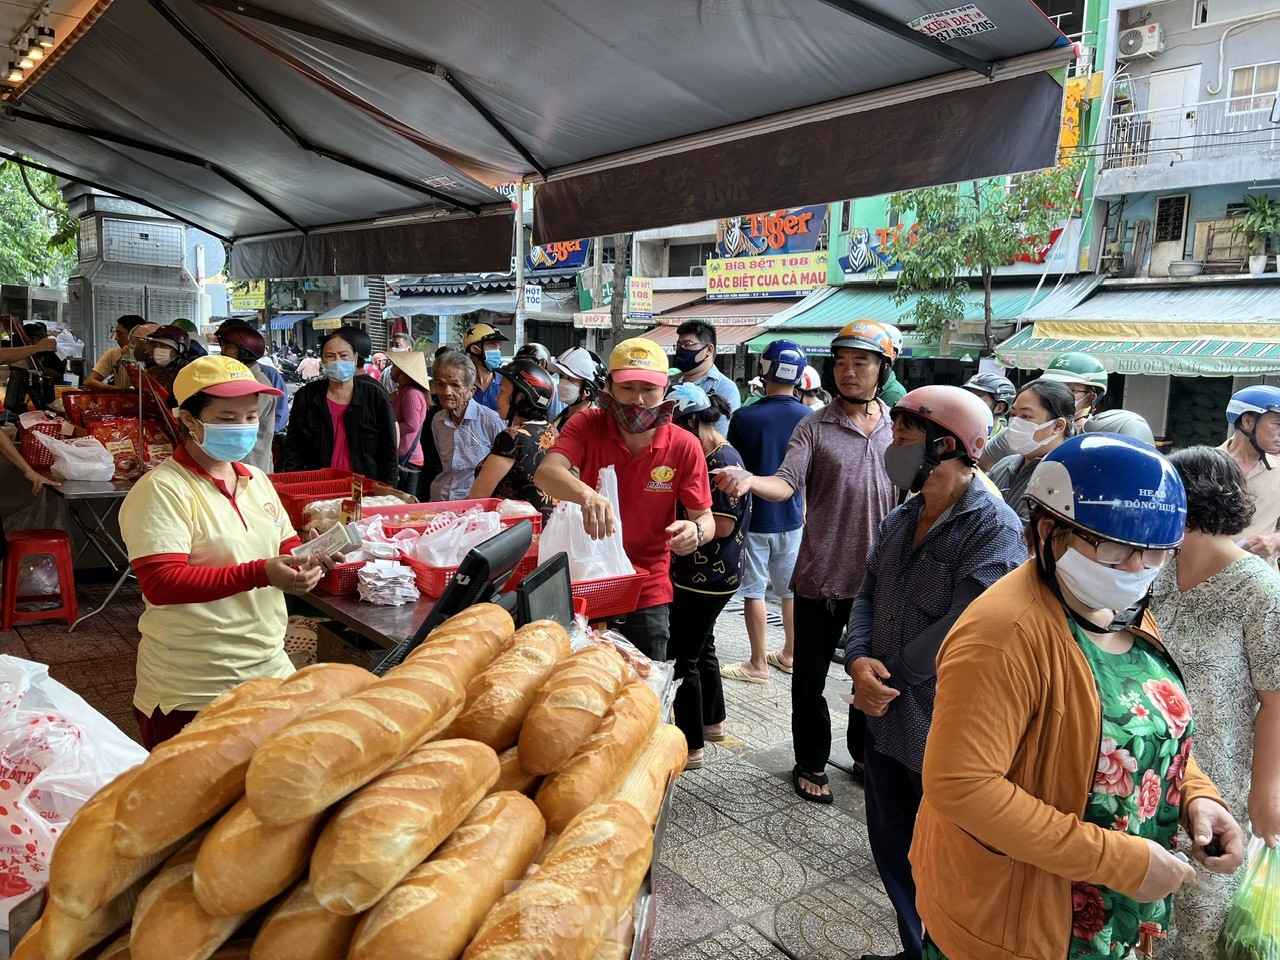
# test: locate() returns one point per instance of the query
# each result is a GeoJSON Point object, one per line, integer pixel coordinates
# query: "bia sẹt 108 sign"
{"type": "Point", "coordinates": [785, 275]}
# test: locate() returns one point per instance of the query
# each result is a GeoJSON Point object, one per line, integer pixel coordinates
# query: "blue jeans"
{"type": "Point", "coordinates": [893, 798]}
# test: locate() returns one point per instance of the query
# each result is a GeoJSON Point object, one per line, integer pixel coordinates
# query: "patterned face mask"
{"type": "Point", "coordinates": [636, 419]}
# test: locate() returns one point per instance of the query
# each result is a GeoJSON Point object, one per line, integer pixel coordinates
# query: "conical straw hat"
{"type": "Point", "coordinates": [414, 363]}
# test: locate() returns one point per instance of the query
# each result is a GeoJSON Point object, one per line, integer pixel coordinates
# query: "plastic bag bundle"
{"type": "Point", "coordinates": [83, 458]}
{"type": "Point", "coordinates": [446, 547]}
{"type": "Point", "coordinates": [588, 559]}
{"type": "Point", "coordinates": [1252, 928]}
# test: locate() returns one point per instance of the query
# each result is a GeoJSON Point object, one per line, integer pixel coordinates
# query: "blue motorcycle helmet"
{"type": "Point", "coordinates": [1258, 399]}
{"type": "Point", "coordinates": [783, 361]}
{"type": "Point", "coordinates": [689, 398]}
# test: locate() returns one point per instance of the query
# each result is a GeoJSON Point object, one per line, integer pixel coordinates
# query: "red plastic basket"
{"type": "Point", "coordinates": [452, 506]}
{"type": "Point", "coordinates": [611, 596]}
{"type": "Point", "coordinates": [308, 476]}
{"type": "Point", "coordinates": [296, 496]}
{"type": "Point", "coordinates": [342, 580]}
{"type": "Point", "coordinates": [35, 452]}
{"type": "Point", "coordinates": [432, 580]}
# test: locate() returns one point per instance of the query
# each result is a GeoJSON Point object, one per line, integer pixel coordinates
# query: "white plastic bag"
{"type": "Point", "coordinates": [588, 559]}
{"type": "Point", "coordinates": [83, 458]}
{"type": "Point", "coordinates": [55, 752]}
{"type": "Point", "coordinates": [447, 547]}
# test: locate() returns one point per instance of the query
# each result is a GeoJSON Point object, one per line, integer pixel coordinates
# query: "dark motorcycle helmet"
{"type": "Point", "coordinates": [249, 343]}
{"type": "Point", "coordinates": [532, 387]}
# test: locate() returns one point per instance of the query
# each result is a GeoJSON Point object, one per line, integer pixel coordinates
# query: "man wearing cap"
{"type": "Point", "coordinates": [657, 466]}
{"type": "Point", "coordinates": [480, 343]}
{"type": "Point", "coordinates": [209, 541]}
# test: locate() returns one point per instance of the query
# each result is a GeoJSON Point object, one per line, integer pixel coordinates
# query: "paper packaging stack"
{"type": "Point", "coordinates": [387, 582]}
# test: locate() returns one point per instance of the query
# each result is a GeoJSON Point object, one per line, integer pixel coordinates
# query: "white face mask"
{"type": "Point", "coordinates": [568, 392]}
{"type": "Point", "coordinates": [1024, 435]}
{"type": "Point", "coordinates": [162, 356]}
{"type": "Point", "coordinates": [1100, 587]}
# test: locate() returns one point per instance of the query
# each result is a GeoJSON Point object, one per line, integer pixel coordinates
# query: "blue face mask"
{"type": "Point", "coordinates": [229, 442]}
{"type": "Point", "coordinates": [339, 371]}
{"type": "Point", "coordinates": [493, 358]}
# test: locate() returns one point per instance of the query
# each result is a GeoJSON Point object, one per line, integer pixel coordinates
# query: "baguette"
{"type": "Point", "coordinates": [566, 909]}
{"type": "Point", "coordinates": [199, 773]}
{"type": "Point", "coordinates": [30, 947]}
{"type": "Point", "coordinates": [339, 747]}
{"type": "Point", "coordinates": [569, 707]}
{"type": "Point", "coordinates": [601, 762]}
{"type": "Point", "coordinates": [467, 642]}
{"type": "Point", "coordinates": [169, 924]}
{"type": "Point", "coordinates": [499, 698]}
{"type": "Point", "coordinates": [300, 929]}
{"type": "Point", "coordinates": [243, 863]}
{"type": "Point", "coordinates": [433, 913]}
{"type": "Point", "coordinates": [393, 824]}
{"type": "Point", "coordinates": [117, 949]}
{"type": "Point", "coordinates": [63, 937]}
{"type": "Point", "coordinates": [237, 695]}
{"type": "Point", "coordinates": [85, 871]}
{"type": "Point", "coordinates": [512, 776]}
{"type": "Point", "coordinates": [645, 784]}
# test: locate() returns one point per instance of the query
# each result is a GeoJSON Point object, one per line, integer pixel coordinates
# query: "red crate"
{"type": "Point", "coordinates": [35, 452]}
{"type": "Point", "coordinates": [308, 476]}
{"type": "Point", "coordinates": [454, 506]}
{"type": "Point", "coordinates": [296, 496]}
{"type": "Point", "coordinates": [342, 580]}
{"type": "Point", "coordinates": [432, 580]}
{"type": "Point", "coordinates": [611, 596]}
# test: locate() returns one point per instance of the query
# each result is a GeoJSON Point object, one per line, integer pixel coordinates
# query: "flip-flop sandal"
{"type": "Point", "coordinates": [734, 671]}
{"type": "Point", "coordinates": [817, 779]}
{"type": "Point", "coordinates": [775, 659]}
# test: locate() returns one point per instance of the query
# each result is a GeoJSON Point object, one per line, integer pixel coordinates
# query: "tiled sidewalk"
{"type": "Point", "coordinates": [748, 870]}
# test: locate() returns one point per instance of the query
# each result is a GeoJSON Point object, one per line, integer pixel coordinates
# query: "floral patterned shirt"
{"type": "Point", "coordinates": [526, 444]}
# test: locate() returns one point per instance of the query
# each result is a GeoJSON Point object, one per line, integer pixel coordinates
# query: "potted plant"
{"type": "Point", "coordinates": [1260, 220]}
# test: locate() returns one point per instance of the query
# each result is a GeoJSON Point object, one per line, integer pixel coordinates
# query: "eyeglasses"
{"type": "Point", "coordinates": [1115, 554]}
{"type": "Point", "coordinates": [690, 344]}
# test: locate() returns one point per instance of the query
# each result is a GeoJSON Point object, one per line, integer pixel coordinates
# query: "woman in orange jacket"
{"type": "Point", "coordinates": [1059, 765]}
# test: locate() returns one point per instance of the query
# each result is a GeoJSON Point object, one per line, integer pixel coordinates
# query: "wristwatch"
{"type": "Point", "coordinates": [702, 534]}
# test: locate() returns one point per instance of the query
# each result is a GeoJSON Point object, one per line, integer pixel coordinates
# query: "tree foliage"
{"type": "Point", "coordinates": [967, 231]}
{"type": "Point", "coordinates": [37, 235]}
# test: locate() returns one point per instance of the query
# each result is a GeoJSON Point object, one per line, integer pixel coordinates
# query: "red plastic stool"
{"type": "Point", "coordinates": [28, 543]}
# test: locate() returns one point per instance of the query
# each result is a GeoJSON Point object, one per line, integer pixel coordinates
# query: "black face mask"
{"type": "Point", "coordinates": [686, 359]}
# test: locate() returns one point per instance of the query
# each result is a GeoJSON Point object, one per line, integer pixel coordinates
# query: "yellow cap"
{"type": "Point", "coordinates": [219, 376]}
{"type": "Point", "coordinates": [639, 359]}
{"type": "Point", "coordinates": [478, 333]}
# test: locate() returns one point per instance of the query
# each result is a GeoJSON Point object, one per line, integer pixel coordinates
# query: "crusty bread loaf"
{"type": "Point", "coordinates": [645, 783]}
{"type": "Point", "coordinates": [392, 825]}
{"type": "Point", "coordinates": [566, 909]}
{"type": "Point", "coordinates": [499, 698]}
{"type": "Point", "coordinates": [300, 929]}
{"type": "Point", "coordinates": [467, 642]}
{"type": "Point", "coordinates": [243, 863]}
{"type": "Point", "coordinates": [169, 924]}
{"type": "Point", "coordinates": [117, 949]}
{"type": "Point", "coordinates": [569, 707]}
{"type": "Point", "coordinates": [199, 773]}
{"type": "Point", "coordinates": [320, 758]}
{"type": "Point", "coordinates": [512, 776]}
{"type": "Point", "coordinates": [240, 693]}
{"type": "Point", "coordinates": [433, 913]}
{"type": "Point", "coordinates": [86, 872]}
{"type": "Point", "coordinates": [31, 947]}
{"type": "Point", "coordinates": [601, 762]}
{"type": "Point", "coordinates": [237, 950]}
{"type": "Point", "coordinates": [63, 937]}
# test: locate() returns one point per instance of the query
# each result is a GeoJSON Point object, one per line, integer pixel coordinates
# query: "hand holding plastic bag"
{"type": "Point", "coordinates": [1252, 928]}
{"type": "Point", "coordinates": [589, 559]}
{"type": "Point", "coordinates": [83, 458]}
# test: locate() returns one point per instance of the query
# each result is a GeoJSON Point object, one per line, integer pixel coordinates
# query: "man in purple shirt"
{"type": "Point", "coordinates": [837, 455]}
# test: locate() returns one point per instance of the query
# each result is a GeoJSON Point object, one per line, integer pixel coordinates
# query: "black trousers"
{"type": "Point", "coordinates": [819, 624]}
{"type": "Point", "coordinates": [649, 629]}
{"type": "Point", "coordinates": [894, 792]}
{"type": "Point", "coordinates": [700, 696]}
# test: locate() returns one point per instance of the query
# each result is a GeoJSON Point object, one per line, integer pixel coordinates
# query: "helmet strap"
{"type": "Point", "coordinates": [1252, 437]}
{"type": "Point", "coordinates": [1047, 564]}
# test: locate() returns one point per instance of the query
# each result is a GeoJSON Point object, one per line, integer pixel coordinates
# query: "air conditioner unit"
{"type": "Point", "coordinates": [1141, 42]}
{"type": "Point", "coordinates": [698, 271]}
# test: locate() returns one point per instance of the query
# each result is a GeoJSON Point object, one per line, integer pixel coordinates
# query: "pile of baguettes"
{"type": "Point", "coordinates": [340, 815]}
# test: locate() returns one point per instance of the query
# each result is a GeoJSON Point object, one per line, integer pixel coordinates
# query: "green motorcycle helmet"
{"type": "Point", "coordinates": [1078, 368]}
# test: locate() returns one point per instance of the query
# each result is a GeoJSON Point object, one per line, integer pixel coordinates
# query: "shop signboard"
{"type": "Point", "coordinates": [532, 298]}
{"type": "Point", "coordinates": [782, 231]}
{"type": "Point", "coordinates": [569, 255]}
{"type": "Point", "coordinates": [585, 300]}
{"type": "Point", "coordinates": [640, 298]}
{"type": "Point", "coordinates": [251, 295]}
{"type": "Point", "coordinates": [784, 275]}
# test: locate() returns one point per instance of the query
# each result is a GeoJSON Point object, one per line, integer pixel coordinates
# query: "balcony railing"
{"type": "Point", "coordinates": [1196, 131]}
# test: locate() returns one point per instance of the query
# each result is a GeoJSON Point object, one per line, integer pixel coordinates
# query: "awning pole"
{"type": "Point", "coordinates": [519, 248]}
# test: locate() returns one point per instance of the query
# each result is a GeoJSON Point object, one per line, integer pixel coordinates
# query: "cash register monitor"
{"type": "Point", "coordinates": [546, 593]}
{"type": "Point", "coordinates": [483, 571]}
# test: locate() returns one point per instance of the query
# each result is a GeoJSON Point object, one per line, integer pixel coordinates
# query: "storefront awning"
{"type": "Point", "coordinates": [340, 311]}
{"type": "Point", "coordinates": [664, 302]}
{"type": "Point", "coordinates": [1177, 358]}
{"type": "Point", "coordinates": [446, 305]}
{"type": "Point", "coordinates": [817, 343]}
{"type": "Point", "coordinates": [320, 142]}
{"type": "Point", "coordinates": [729, 313]}
{"type": "Point", "coordinates": [286, 321]}
{"type": "Point", "coordinates": [728, 338]}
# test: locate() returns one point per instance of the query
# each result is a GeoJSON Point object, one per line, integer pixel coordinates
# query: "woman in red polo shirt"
{"type": "Point", "coordinates": [658, 466]}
